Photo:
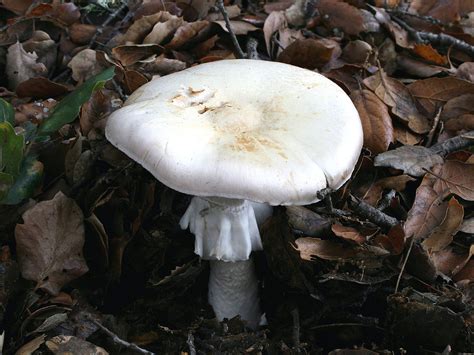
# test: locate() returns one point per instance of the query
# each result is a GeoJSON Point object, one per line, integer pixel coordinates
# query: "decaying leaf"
{"type": "Point", "coordinates": [22, 65]}
{"type": "Point", "coordinates": [374, 192]}
{"type": "Point", "coordinates": [335, 14]}
{"type": "Point", "coordinates": [186, 33]}
{"type": "Point", "coordinates": [413, 160]}
{"type": "Point", "coordinates": [376, 121]}
{"type": "Point", "coordinates": [443, 234]}
{"type": "Point", "coordinates": [130, 54]}
{"type": "Point", "coordinates": [467, 226]}
{"type": "Point", "coordinates": [348, 233]}
{"type": "Point", "coordinates": [67, 344]}
{"type": "Point", "coordinates": [458, 177]}
{"type": "Point", "coordinates": [163, 29]}
{"type": "Point", "coordinates": [309, 53]}
{"type": "Point", "coordinates": [306, 221]}
{"type": "Point", "coordinates": [49, 243]}
{"type": "Point", "coordinates": [427, 212]}
{"type": "Point", "coordinates": [273, 23]}
{"type": "Point", "coordinates": [84, 65]}
{"type": "Point", "coordinates": [398, 97]}
{"type": "Point", "coordinates": [238, 27]}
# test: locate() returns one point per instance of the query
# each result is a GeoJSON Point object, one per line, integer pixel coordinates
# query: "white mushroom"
{"type": "Point", "coordinates": [235, 131]}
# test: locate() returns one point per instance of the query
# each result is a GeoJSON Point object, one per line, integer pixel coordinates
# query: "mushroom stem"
{"type": "Point", "coordinates": [233, 290]}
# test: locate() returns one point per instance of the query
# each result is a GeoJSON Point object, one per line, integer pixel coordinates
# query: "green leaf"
{"type": "Point", "coordinates": [7, 114]}
{"type": "Point", "coordinates": [11, 149]}
{"type": "Point", "coordinates": [27, 182]}
{"type": "Point", "coordinates": [68, 108]}
{"type": "Point", "coordinates": [6, 181]}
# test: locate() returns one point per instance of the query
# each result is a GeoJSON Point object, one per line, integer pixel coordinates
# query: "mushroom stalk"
{"type": "Point", "coordinates": [226, 233]}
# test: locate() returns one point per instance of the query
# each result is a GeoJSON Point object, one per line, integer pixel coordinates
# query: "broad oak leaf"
{"type": "Point", "coordinates": [49, 243]}
{"type": "Point", "coordinates": [376, 121]}
{"type": "Point", "coordinates": [427, 212]}
{"type": "Point", "coordinates": [458, 177]}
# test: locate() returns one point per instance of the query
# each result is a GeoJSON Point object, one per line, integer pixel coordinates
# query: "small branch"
{"type": "Point", "coordinates": [435, 38]}
{"type": "Point", "coordinates": [121, 342]}
{"type": "Point", "coordinates": [374, 215]}
{"type": "Point", "coordinates": [402, 269]}
{"type": "Point", "coordinates": [220, 6]}
{"type": "Point", "coordinates": [453, 144]}
{"type": "Point", "coordinates": [190, 342]}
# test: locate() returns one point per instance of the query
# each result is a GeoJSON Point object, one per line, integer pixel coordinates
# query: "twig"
{"type": "Point", "coordinates": [402, 269]}
{"type": "Point", "coordinates": [435, 38]}
{"type": "Point", "coordinates": [429, 19]}
{"type": "Point", "coordinates": [433, 128]}
{"type": "Point", "coordinates": [109, 19]}
{"type": "Point", "coordinates": [190, 342]}
{"type": "Point", "coordinates": [121, 342]}
{"type": "Point", "coordinates": [374, 215]}
{"type": "Point", "coordinates": [295, 314]}
{"type": "Point", "coordinates": [453, 144]}
{"type": "Point", "coordinates": [220, 6]}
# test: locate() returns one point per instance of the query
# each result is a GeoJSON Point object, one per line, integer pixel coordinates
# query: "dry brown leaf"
{"type": "Point", "coordinates": [458, 177]}
{"type": "Point", "coordinates": [450, 262]}
{"type": "Point", "coordinates": [405, 136]}
{"type": "Point", "coordinates": [44, 47]}
{"type": "Point", "coordinates": [461, 123]}
{"type": "Point", "coordinates": [399, 34]}
{"type": "Point", "coordinates": [306, 221]}
{"type": "Point", "coordinates": [466, 273]}
{"type": "Point", "coordinates": [30, 347]}
{"type": "Point", "coordinates": [19, 7]}
{"type": "Point", "coordinates": [466, 71]}
{"type": "Point", "coordinates": [413, 160]}
{"type": "Point", "coordinates": [163, 29]}
{"type": "Point", "coordinates": [444, 10]}
{"type": "Point", "coordinates": [22, 65]}
{"type": "Point", "coordinates": [130, 54]}
{"type": "Point", "coordinates": [186, 33]}
{"type": "Point", "coordinates": [133, 80]}
{"type": "Point", "coordinates": [82, 33]}
{"type": "Point", "coordinates": [312, 248]}
{"type": "Point", "coordinates": [458, 106]}
{"type": "Point", "coordinates": [427, 52]}
{"type": "Point", "coordinates": [346, 76]}
{"type": "Point", "coordinates": [163, 66]}
{"type": "Point", "coordinates": [335, 14]}
{"type": "Point", "coordinates": [434, 92]}
{"type": "Point", "coordinates": [443, 234]}
{"type": "Point", "coordinates": [309, 53]}
{"type": "Point", "coordinates": [418, 68]}
{"type": "Point", "coordinates": [357, 52]}
{"type": "Point", "coordinates": [139, 29]}
{"type": "Point", "coordinates": [84, 65]}
{"type": "Point", "coordinates": [467, 226]}
{"type": "Point", "coordinates": [68, 344]}
{"type": "Point", "coordinates": [49, 243]}
{"type": "Point", "coordinates": [40, 88]}
{"type": "Point", "coordinates": [96, 109]}
{"type": "Point", "coordinates": [375, 190]}
{"type": "Point", "coordinates": [427, 212]}
{"type": "Point", "coordinates": [238, 27]}
{"type": "Point", "coordinates": [376, 121]}
{"type": "Point", "coordinates": [348, 233]}
{"type": "Point", "coordinates": [398, 97]}
{"type": "Point", "coordinates": [201, 7]}
{"type": "Point", "coordinates": [273, 23]}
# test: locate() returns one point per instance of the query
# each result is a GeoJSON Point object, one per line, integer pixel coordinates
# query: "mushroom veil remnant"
{"type": "Point", "coordinates": [239, 135]}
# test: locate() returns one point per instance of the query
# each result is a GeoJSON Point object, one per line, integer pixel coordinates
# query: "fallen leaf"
{"type": "Point", "coordinates": [432, 93]}
{"type": "Point", "coordinates": [82, 33]}
{"type": "Point", "coordinates": [466, 273]}
{"type": "Point", "coordinates": [139, 29]}
{"type": "Point", "coordinates": [68, 344]}
{"type": "Point", "coordinates": [405, 136]}
{"type": "Point", "coordinates": [19, 7]}
{"type": "Point", "coordinates": [94, 111]}
{"type": "Point", "coordinates": [346, 76]}
{"type": "Point", "coordinates": [427, 52]}
{"type": "Point", "coordinates": [427, 212]}
{"type": "Point", "coordinates": [273, 23]}
{"type": "Point", "coordinates": [443, 234]}
{"type": "Point", "coordinates": [335, 14]}
{"type": "Point", "coordinates": [458, 106]}
{"type": "Point", "coordinates": [398, 97]}
{"type": "Point", "coordinates": [399, 34]}
{"type": "Point", "coordinates": [44, 47]}
{"type": "Point", "coordinates": [467, 226]}
{"type": "Point", "coordinates": [163, 66]}
{"type": "Point", "coordinates": [238, 27]}
{"type": "Point", "coordinates": [348, 233]}
{"type": "Point", "coordinates": [450, 262]}
{"type": "Point", "coordinates": [357, 52]}
{"type": "Point", "coordinates": [419, 68]}
{"type": "Point", "coordinates": [186, 33]}
{"type": "Point", "coordinates": [466, 71]}
{"type": "Point", "coordinates": [22, 65]}
{"type": "Point", "coordinates": [30, 347]}
{"type": "Point", "coordinates": [374, 193]}
{"type": "Point", "coordinates": [458, 177]}
{"type": "Point", "coordinates": [306, 221]}
{"type": "Point", "coordinates": [49, 243]}
{"type": "Point", "coordinates": [308, 53]}
{"type": "Point", "coordinates": [130, 54]}
{"type": "Point", "coordinates": [376, 121]}
{"type": "Point", "coordinates": [163, 29]}
{"type": "Point", "coordinates": [444, 10]}
{"type": "Point", "coordinates": [461, 123]}
{"type": "Point", "coordinates": [84, 65]}
{"type": "Point", "coordinates": [413, 160]}
{"type": "Point", "coordinates": [40, 88]}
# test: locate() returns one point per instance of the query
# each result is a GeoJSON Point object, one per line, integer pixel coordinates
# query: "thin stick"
{"type": "Point", "coordinates": [402, 269]}
{"type": "Point", "coordinates": [115, 338]}
{"type": "Point", "coordinates": [190, 342]}
{"type": "Point", "coordinates": [374, 215]}
{"type": "Point", "coordinates": [220, 6]}
{"type": "Point", "coordinates": [453, 144]}
{"type": "Point", "coordinates": [295, 314]}
{"type": "Point", "coordinates": [109, 19]}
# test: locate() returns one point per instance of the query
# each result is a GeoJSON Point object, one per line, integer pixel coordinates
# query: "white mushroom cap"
{"type": "Point", "coordinates": [242, 129]}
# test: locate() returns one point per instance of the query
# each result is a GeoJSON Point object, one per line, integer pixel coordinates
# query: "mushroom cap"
{"type": "Point", "coordinates": [243, 129]}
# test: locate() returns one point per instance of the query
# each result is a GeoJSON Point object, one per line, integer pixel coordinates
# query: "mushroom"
{"type": "Point", "coordinates": [235, 133]}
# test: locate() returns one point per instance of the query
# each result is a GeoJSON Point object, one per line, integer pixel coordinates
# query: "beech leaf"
{"type": "Point", "coordinates": [49, 243]}
{"type": "Point", "coordinates": [458, 177]}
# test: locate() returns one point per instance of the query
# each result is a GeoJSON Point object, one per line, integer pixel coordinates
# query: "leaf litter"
{"type": "Point", "coordinates": [98, 264]}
